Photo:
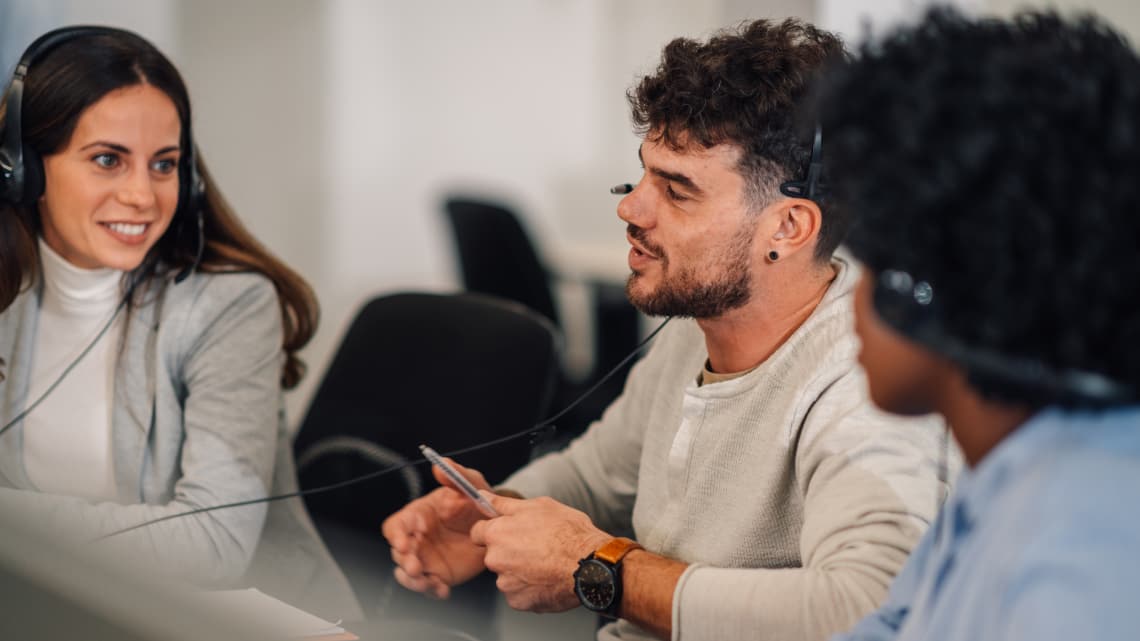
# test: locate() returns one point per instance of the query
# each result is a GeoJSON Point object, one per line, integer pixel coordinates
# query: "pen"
{"type": "Point", "coordinates": [464, 485]}
{"type": "Point", "coordinates": [623, 188]}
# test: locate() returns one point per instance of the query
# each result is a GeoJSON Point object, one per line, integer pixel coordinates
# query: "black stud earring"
{"type": "Point", "coordinates": [773, 256]}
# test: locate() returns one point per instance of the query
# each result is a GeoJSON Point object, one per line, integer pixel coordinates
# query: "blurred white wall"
{"type": "Point", "coordinates": [856, 18]}
{"type": "Point", "coordinates": [22, 20]}
{"type": "Point", "coordinates": [336, 126]}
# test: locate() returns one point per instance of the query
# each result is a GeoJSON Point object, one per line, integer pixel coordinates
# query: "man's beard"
{"type": "Point", "coordinates": [685, 294]}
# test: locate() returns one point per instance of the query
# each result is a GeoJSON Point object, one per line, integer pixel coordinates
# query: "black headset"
{"type": "Point", "coordinates": [810, 187]}
{"type": "Point", "coordinates": [911, 307]}
{"type": "Point", "coordinates": [21, 168]}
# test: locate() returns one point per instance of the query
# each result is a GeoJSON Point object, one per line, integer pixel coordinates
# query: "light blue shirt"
{"type": "Point", "coordinates": [1040, 541]}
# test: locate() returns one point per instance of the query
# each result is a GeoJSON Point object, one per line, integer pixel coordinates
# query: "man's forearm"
{"type": "Point", "coordinates": [648, 584]}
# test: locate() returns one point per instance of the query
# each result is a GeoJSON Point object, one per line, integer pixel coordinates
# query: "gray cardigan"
{"type": "Point", "coordinates": [197, 421]}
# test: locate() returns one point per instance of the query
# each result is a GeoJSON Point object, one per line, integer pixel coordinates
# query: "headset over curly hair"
{"type": "Point", "coordinates": [744, 87]}
{"type": "Point", "coordinates": [998, 161]}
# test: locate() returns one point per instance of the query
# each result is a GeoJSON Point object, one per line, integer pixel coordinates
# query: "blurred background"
{"type": "Point", "coordinates": [337, 128]}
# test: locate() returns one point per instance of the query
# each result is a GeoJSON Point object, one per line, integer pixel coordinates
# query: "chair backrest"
{"type": "Point", "coordinates": [496, 254]}
{"type": "Point", "coordinates": [447, 370]}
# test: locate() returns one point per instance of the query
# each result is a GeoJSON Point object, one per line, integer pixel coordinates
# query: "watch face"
{"type": "Point", "coordinates": [594, 582]}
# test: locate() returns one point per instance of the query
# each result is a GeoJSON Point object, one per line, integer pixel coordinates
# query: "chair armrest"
{"type": "Point", "coordinates": [378, 454]}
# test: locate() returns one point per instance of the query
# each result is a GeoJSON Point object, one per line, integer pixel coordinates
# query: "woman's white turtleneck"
{"type": "Point", "coordinates": [67, 438]}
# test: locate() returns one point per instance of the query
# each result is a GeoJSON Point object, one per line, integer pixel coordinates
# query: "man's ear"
{"type": "Point", "coordinates": [797, 226]}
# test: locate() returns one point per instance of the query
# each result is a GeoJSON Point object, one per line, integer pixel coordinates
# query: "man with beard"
{"type": "Point", "coordinates": [767, 496]}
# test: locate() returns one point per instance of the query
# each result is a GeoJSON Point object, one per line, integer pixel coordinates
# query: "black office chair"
{"type": "Point", "coordinates": [496, 256]}
{"type": "Point", "coordinates": [450, 371]}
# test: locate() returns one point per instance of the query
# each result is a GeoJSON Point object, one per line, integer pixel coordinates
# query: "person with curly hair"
{"type": "Point", "coordinates": [991, 168]}
{"type": "Point", "coordinates": [767, 495]}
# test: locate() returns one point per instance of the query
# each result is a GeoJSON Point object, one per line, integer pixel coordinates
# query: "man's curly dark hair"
{"type": "Point", "coordinates": [746, 87]}
{"type": "Point", "coordinates": [1000, 162]}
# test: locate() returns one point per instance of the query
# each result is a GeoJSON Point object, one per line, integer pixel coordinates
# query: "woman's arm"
{"type": "Point", "coordinates": [231, 373]}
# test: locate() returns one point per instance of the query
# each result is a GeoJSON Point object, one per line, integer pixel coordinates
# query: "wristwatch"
{"type": "Point", "coordinates": [597, 581]}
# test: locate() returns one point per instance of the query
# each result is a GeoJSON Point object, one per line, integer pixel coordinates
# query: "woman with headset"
{"type": "Point", "coordinates": [146, 336]}
{"type": "Point", "coordinates": [991, 168]}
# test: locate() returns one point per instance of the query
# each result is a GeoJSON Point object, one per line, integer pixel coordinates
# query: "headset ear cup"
{"type": "Point", "coordinates": [33, 177]}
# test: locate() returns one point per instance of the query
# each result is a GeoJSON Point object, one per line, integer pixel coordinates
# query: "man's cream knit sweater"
{"type": "Point", "coordinates": [794, 500]}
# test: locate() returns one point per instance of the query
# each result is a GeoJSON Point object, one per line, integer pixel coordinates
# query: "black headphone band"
{"type": "Point", "coordinates": [910, 307]}
{"type": "Point", "coordinates": [12, 168]}
{"type": "Point", "coordinates": [809, 187]}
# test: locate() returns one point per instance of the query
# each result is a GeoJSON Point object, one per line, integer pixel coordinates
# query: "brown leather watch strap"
{"type": "Point", "coordinates": [616, 549]}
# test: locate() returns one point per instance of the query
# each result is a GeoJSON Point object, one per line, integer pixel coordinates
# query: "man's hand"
{"type": "Point", "coordinates": [534, 547]}
{"type": "Point", "coordinates": [429, 537]}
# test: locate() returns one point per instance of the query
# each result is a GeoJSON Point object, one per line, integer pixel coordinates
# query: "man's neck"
{"type": "Point", "coordinates": [745, 337]}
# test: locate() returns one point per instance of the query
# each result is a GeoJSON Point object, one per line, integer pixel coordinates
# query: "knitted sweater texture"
{"type": "Point", "coordinates": [794, 500]}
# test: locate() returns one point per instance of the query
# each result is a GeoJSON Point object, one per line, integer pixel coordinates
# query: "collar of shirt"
{"type": "Point", "coordinates": [978, 488]}
{"type": "Point", "coordinates": [85, 292]}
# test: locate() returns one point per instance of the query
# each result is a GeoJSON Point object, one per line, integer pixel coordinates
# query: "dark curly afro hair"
{"type": "Point", "coordinates": [1000, 162]}
{"type": "Point", "coordinates": [745, 86]}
